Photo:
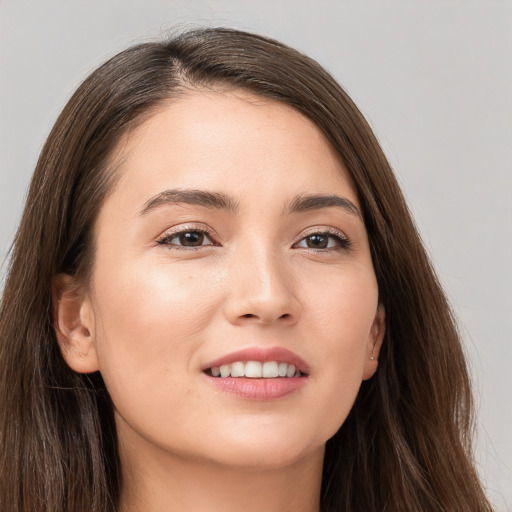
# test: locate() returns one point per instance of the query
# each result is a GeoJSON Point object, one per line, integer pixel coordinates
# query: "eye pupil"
{"type": "Point", "coordinates": [191, 238]}
{"type": "Point", "coordinates": [317, 241]}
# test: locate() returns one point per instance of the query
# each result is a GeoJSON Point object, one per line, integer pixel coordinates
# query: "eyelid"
{"type": "Point", "coordinates": [173, 232]}
{"type": "Point", "coordinates": [329, 231]}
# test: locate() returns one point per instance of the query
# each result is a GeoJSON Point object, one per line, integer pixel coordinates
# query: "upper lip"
{"type": "Point", "coordinates": [263, 354]}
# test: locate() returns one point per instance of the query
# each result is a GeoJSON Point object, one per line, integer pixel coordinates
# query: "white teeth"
{"type": "Point", "coordinates": [238, 369]}
{"type": "Point", "coordinates": [225, 370]}
{"type": "Point", "coordinates": [253, 369]}
{"type": "Point", "coordinates": [270, 369]}
{"type": "Point", "coordinates": [256, 370]}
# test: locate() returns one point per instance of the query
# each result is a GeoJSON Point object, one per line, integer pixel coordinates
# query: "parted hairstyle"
{"type": "Point", "coordinates": [406, 444]}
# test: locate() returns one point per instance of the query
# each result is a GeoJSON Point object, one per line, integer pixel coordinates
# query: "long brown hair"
{"type": "Point", "coordinates": [406, 444]}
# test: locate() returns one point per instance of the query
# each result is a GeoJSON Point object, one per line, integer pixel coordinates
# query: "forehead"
{"type": "Point", "coordinates": [229, 140]}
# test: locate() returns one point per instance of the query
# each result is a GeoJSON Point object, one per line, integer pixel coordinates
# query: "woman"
{"type": "Point", "coordinates": [218, 300]}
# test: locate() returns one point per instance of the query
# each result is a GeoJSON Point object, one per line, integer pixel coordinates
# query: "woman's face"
{"type": "Point", "coordinates": [234, 235]}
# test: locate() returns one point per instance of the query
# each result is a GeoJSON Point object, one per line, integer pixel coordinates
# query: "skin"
{"type": "Point", "coordinates": [156, 312]}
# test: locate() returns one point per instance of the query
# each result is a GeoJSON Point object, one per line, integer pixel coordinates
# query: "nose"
{"type": "Point", "coordinates": [262, 291]}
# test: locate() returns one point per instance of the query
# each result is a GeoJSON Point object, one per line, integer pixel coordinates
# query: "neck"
{"type": "Point", "coordinates": [156, 482]}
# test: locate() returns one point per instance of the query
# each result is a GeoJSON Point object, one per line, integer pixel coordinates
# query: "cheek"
{"type": "Point", "coordinates": [342, 313]}
{"type": "Point", "coordinates": [343, 304]}
{"type": "Point", "coordinates": [149, 324]}
{"type": "Point", "coordinates": [164, 303]}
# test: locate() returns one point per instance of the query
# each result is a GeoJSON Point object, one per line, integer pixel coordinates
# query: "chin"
{"type": "Point", "coordinates": [257, 449]}
{"type": "Point", "coordinates": [267, 459]}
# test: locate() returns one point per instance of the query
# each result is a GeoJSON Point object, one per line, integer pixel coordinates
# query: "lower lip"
{"type": "Point", "coordinates": [264, 390]}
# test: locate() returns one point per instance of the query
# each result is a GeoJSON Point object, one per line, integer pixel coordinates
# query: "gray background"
{"type": "Point", "coordinates": [433, 78]}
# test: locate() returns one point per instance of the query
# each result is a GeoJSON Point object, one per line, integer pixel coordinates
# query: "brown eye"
{"type": "Point", "coordinates": [190, 238]}
{"type": "Point", "coordinates": [324, 241]}
{"type": "Point", "coordinates": [317, 241]}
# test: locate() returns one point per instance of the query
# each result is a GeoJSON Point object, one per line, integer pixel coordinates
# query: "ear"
{"type": "Point", "coordinates": [375, 343]}
{"type": "Point", "coordinates": [73, 321]}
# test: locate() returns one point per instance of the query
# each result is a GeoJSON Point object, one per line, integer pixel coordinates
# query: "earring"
{"type": "Point", "coordinates": [372, 358]}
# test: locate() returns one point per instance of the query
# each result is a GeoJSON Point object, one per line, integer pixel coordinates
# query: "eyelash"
{"type": "Point", "coordinates": [342, 241]}
{"type": "Point", "coordinates": [168, 237]}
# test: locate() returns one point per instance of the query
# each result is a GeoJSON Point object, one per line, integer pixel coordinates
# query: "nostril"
{"type": "Point", "coordinates": [250, 315]}
{"type": "Point", "coordinates": [284, 316]}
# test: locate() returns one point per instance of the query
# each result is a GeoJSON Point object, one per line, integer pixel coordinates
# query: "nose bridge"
{"type": "Point", "coordinates": [262, 287]}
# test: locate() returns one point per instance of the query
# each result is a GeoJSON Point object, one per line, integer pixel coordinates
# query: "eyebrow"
{"type": "Point", "coordinates": [303, 203]}
{"type": "Point", "coordinates": [216, 200]}
{"type": "Point", "coordinates": [220, 201]}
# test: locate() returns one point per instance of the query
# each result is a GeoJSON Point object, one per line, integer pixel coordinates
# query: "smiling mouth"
{"type": "Point", "coordinates": [255, 370]}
